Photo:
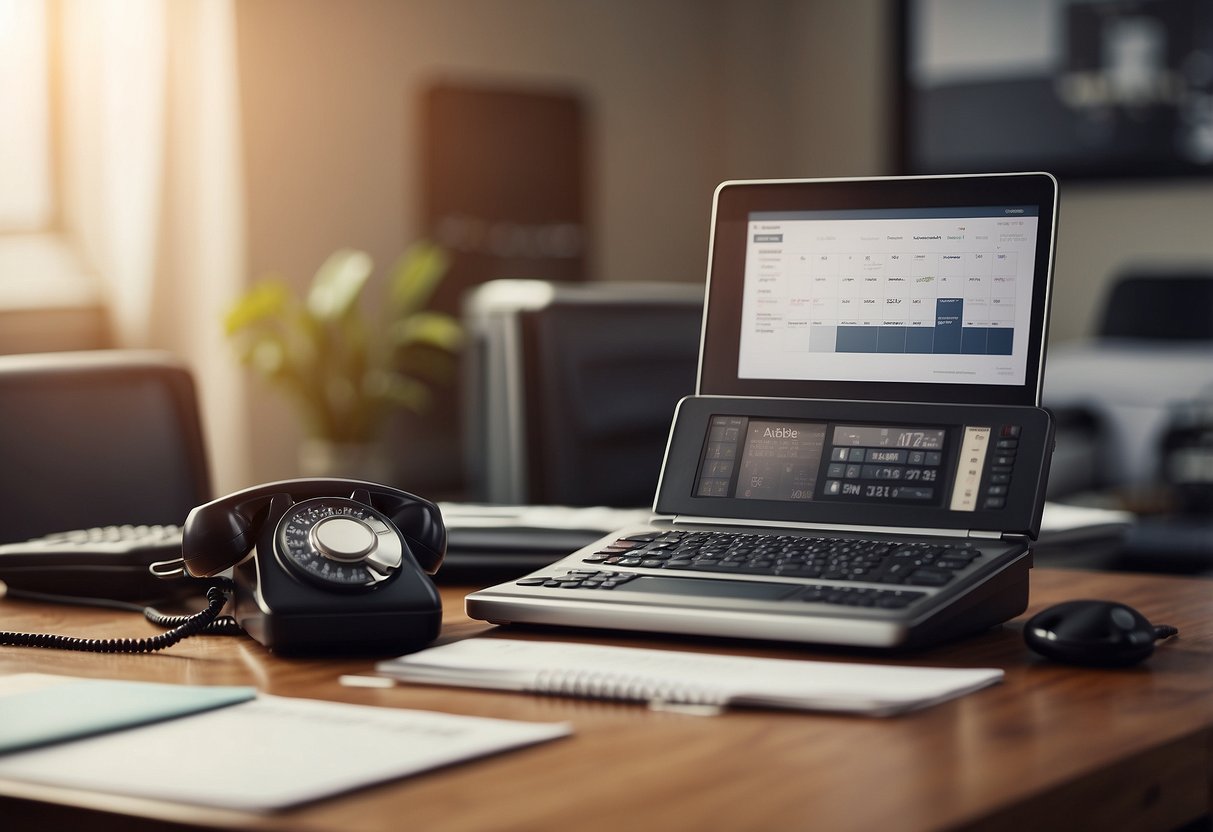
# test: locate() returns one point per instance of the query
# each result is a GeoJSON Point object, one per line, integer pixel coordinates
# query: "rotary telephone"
{"type": "Point", "coordinates": [318, 566]}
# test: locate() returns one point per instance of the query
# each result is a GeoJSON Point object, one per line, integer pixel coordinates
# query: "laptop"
{"type": "Point", "coordinates": [865, 458]}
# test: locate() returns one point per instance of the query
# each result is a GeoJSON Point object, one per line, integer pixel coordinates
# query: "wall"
{"type": "Point", "coordinates": [844, 122]}
{"type": "Point", "coordinates": [682, 94]}
{"type": "Point", "coordinates": [1105, 228]}
{"type": "Point", "coordinates": [329, 98]}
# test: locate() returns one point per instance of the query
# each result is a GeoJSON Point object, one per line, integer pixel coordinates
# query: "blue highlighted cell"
{"type": "Point", "coordinates": [947, 325]}
{"type": "Point", "coordinates": [973, 340]}
{"type": "Point", "coordinates": [999, 340]}
{"type": "Point", "coordinates": [948, 336]}
{"type": "Point", "coordinates": [857, 338]}
{"type": "Point", "coordinates": [891, 339]}
{"type": "Point", "coordinates": [920, 340]}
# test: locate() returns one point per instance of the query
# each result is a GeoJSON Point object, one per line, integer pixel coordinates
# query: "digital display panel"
{"type": "Point", "coordinates": [780, 460]}
{"type": "Point", "coordinates": [801, 461]}
{"type": "Point", "coordinates": [849, 463]}
{"type": "Point", "coordinates": [889, 295]}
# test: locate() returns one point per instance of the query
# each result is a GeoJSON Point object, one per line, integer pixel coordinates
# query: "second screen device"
{"type": "Point", "coordinates": [943, 466]}
{"type": "Point", "coordinates": [893, 289]}
{"type": "Point", "coordinates": [762, 530]}
{"type": "Point", "coordinates": [865, 459]}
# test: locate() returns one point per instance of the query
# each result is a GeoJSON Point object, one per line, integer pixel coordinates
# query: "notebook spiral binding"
{"type": "Point", "coordinates": [615, 686]}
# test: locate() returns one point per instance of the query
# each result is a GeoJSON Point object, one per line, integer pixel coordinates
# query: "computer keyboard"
{"type": "Point", "coordinates": [111, 538]}
{"type": "Point", "coordinates": [102, 562]}
{"type": "Point", "coordinates": [880, 561]}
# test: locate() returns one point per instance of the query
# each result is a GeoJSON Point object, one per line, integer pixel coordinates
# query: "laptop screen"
{"type": "Point", "coordinates": [904, 289]}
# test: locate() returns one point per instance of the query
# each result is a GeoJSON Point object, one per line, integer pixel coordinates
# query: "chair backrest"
{"type": "Point", "coordinates": [571, 388]}
{"type": "Point", "coordinates": [99, 438]}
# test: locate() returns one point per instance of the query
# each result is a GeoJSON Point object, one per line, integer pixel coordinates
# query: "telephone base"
{"type": "Point", "coordinates": [386, 633]}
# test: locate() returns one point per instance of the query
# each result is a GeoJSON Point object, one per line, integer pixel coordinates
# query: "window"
{"type": "Point", "coordinates": [26, 202]}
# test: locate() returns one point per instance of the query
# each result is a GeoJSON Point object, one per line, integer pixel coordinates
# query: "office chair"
{"type": "Point", "coordinates": [1171, 306]}
{"type": "Point", "coordinates": [570, 388]}
{"type": "Point", "coordinates": [1152, 351]}
{"type": "Point", "coordinates": [99, 438]}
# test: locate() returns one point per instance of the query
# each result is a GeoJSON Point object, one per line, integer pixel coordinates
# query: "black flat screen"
{"type": "Point", "coordinates": [930, 289]}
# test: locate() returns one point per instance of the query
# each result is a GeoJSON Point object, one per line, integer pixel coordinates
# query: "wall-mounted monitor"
{"type": "Point", "coordinates": [1081, 88]}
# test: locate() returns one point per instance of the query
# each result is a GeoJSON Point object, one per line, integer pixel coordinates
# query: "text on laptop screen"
{"type": "Point", "coordinates": [889, 295]}
{"type": "Point", "coordinates": [802, 461]}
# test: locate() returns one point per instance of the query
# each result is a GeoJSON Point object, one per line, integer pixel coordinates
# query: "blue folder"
{"type": "Point", "coordinates": [82, 707]}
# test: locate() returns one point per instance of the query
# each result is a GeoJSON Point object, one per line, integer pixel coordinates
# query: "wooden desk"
{"type": "Point", "coordinates": [1053, 747]}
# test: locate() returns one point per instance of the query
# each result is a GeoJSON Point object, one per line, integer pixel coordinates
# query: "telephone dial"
{"type": "Point", "coordinates": [318, 566]}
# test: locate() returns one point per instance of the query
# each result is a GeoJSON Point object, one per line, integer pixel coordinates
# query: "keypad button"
{"type": "Point", "coordinates": [898, 599]}
{"type": "Point", "coordinates": [929, 577]}
{"type": "Point", "coordinates": [855, 564]}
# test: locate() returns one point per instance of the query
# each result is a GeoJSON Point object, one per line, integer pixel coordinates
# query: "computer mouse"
{"type": "Point", "coordinates": [1093, 633]}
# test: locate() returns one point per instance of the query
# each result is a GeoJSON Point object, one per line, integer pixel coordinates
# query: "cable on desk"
{"type": "Point", "coordinates": [185, 626]}
{"type": "Point", "coordinates": [224, 625]}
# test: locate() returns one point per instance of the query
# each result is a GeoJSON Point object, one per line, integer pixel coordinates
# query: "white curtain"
{"type": "Point", "coordinates": [152, 186]}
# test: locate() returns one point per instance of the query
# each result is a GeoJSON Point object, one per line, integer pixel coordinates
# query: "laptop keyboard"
{"type": "Point", "coordinates": [879, 561]}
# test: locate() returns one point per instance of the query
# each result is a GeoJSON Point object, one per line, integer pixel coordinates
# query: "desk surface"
{"type": "Point", "coordinates": [1052, 747]}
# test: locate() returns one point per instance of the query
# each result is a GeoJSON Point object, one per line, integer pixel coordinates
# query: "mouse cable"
{"type": "Point", "coordinates": [207, 621]}
{"type": "Point", "coordinates": [1162, 631]}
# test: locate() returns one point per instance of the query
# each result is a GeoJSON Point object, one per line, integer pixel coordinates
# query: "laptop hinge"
{"type": "Point", "coordinates": [1017, 537]}
{"type": "Point", "coordinates": [986, 534]}
{"type": "Point", "coordinates": [686, 520]}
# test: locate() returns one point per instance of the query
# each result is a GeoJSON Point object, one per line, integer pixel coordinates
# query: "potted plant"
{"type": "Point", "coordinates": [344, 369]}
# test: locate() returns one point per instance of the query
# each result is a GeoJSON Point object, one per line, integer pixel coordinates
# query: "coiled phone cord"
{"type": "Point", "coordinates": [223, 625]}
{"type": "Point", "coordinates": [207, 621]}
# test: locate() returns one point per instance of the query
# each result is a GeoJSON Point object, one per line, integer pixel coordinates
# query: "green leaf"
{"type": "Point", "coordinates": [265, 301]}
{"type": "Point", "coordinates": [344, 370]}
{"type": "Point", "coordinates": [407, 392]}
{"type": "Point", "coordinates": [434, 329]}
{"type": "Point", "coordinates": [416, 275]}
{"type": "Point", "coordinates": [338, 283]}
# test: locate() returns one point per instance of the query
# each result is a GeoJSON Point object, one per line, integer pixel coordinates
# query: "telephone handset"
{"type": "Point", "coordinates": [324, 565]}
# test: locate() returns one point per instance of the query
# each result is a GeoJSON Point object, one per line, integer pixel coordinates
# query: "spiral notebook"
{"type": "Point", "coordinates": [676, 677]}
